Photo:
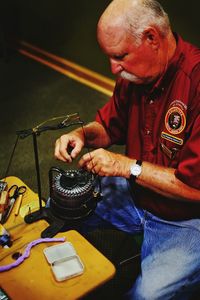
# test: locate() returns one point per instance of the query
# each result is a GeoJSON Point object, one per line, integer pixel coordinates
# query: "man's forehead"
{"type": "Point", "coordinates": [112, 36]}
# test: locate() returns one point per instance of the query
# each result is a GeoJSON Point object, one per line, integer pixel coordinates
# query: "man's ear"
{"type": "Point", "coordinates": [151, 37]}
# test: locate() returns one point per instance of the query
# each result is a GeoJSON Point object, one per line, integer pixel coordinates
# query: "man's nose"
{"type": "Point", "coordinates": [115, 66]}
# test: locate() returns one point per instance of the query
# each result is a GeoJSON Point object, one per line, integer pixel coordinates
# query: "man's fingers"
{"type": "Point", "coordinates": [85, 159]}
{"type": "Point", "coordinates": [61, 152]}
{"type": "Point", "coordinates": [76, 150]}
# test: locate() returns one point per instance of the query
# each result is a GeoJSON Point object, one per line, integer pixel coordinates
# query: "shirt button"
{"type": "Point", "coordinates": [151, 101]}
{"type": "Point", "coordinates": [148, 132]}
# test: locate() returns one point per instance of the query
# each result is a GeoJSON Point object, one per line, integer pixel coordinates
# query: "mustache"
{"type": "Point", "coordinates": [136, 79]}
{"type": "Point", "coordinates": [129, 76]}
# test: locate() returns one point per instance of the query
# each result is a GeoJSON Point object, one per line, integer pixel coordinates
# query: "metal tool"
{"type": "Point", "coordinates": [14, 192]}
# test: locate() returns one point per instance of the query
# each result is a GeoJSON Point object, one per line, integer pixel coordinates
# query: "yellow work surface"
{"type": "Point", "coordinates": [33, 279]}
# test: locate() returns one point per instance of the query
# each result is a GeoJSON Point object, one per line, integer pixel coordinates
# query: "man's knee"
{"type": "Point", "coordinates": [150, 289]}
{"type": "Point", "coordinates": [146, 290]}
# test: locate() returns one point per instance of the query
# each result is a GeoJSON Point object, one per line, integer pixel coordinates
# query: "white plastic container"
{"type": "Point", "coordinates": [64, 261]}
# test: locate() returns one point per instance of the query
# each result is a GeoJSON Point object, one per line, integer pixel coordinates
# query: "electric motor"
{"type": "Point", "coordinates": [73, 193]}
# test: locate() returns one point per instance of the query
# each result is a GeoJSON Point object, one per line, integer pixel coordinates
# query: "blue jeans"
{"type": "Point", "coordinates": [170, 253]}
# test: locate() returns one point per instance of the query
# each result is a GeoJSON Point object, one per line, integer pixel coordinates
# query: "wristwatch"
{"type": "Point", "coordinates": [135, 170]}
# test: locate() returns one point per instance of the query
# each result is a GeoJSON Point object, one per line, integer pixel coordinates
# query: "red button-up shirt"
{"type": "Point", "coordinates": [161, 124]}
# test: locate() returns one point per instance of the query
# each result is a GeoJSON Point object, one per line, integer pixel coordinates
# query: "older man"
{"type": "Point", "coordinates": [154, 112]}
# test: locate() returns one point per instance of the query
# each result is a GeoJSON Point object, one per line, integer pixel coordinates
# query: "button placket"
{"type": "Point", "coordinates": [149, 114]}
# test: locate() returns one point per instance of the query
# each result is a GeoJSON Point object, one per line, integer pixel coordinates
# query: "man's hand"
{"type": "Point", "coordinates": [68, 146]}
{"type": "Point", "coordinates": [106, 163]}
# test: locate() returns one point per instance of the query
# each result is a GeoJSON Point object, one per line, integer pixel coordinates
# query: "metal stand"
{"type": "Point", "coordinates": [44, 213]}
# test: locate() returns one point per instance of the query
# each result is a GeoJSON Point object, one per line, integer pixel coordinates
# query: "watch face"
{"type": "Point", "coordinates": [136, 170]}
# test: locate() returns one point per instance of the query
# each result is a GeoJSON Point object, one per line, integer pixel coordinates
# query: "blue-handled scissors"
{"type": "Point", "coordinates": [13, 193]}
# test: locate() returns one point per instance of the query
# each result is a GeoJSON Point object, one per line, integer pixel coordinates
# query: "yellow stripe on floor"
{"type": "Point", "coordinates": [68, 68]}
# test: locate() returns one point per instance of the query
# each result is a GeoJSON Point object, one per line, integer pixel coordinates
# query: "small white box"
{"type": "Point", "coordinates": [64, 261]}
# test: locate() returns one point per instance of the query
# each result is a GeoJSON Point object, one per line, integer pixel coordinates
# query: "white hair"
{"type": "Point", "coordinates": [143, 14]}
